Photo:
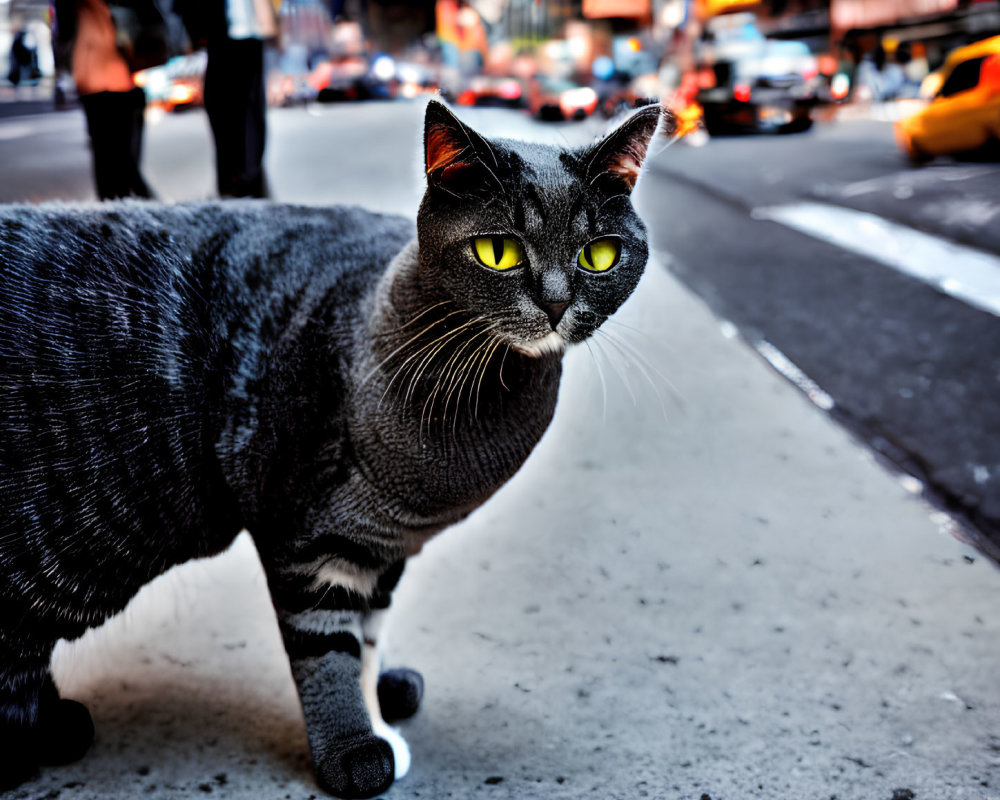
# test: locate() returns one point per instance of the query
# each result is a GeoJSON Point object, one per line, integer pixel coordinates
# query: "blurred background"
{"type": "Point", "coordinates": [562, 59]}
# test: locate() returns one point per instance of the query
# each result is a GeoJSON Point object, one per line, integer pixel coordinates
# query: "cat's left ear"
{"type": "Point", "coordinates": [457, 158]}
{"type": "Point", "coordinates": [619, 156]}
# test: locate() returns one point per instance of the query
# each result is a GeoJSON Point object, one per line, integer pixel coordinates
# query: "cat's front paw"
{"type": "Point", "coordinates": [65, 732]}
{"type": "Point", "coordinates": [361, 766]}
{"type": "Point", "coordinates": [400, 691]}
{"type": "Point", "coordinates": [62, 733]}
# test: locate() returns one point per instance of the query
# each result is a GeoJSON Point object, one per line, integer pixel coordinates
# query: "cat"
{"type": "Point", "coordinates": [340, 383]}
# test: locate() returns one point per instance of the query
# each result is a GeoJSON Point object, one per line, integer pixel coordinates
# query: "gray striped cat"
{"type": "Point", "coordinates": [332, 380]}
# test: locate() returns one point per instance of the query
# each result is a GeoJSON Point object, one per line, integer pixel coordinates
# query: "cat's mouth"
{"type": "Point", "coordinates": [549, 344]}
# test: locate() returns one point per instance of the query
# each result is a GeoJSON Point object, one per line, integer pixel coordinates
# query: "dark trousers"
{"type": "Point", "coordinates": [115, 123]}
{"type": "Point", "coordinates": [236, 104]}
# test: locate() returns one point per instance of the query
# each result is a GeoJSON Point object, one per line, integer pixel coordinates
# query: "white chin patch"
{"type": "Point", "coordinates": [550, 343]}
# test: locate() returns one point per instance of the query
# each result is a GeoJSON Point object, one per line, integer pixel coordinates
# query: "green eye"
{"type": "Point", "coordinates": [498, 252]}
{"type": "Point", "coordinates": [600, 255]}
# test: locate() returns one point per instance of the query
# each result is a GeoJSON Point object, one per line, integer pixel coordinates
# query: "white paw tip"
{"type": "Point", "coordinates": [400, 749]}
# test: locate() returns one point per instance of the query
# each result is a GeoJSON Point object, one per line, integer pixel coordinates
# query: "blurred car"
{"type": "Point", "coordinates": [176, 85]}
{"type": "Point", "coordinates": [557, 99]}
{"type": "Point", "coordinates": [637, 92]}
{"type": "Point", "coordinates": [759, 85]}
{"type": "Point", "coordinates": [353, 77]}
{"type": "Point", "coordinates": [415, 78]}
{"type": "Point", "coordinates": [490, 90]}
{"type": "Point", "coordinates": [964, 114]}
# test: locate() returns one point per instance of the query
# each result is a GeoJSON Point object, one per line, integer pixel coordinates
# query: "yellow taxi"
{"type": "Point", "coordinates": [964, 113]}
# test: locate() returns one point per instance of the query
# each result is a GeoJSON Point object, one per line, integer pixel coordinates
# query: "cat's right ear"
{"type": "Point", "coordinates": [457, 159]}
{"type": "Point", "coordinates": [619, 157]}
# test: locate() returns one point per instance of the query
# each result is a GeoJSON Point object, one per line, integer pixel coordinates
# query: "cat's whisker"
{"type": "Point", "coordinates": [483, 365]}
{"type": "Point", "coordinates": [403, 346]}
{"type": "Point", "coordinates": [468, 372]}
{"type": "Point", "coordinates": [395, 352]}
{"type": "Point", "coordinates": [648, 340]}
{"type": "Point", "coordinates": [427, 410]}
{"type": "Point", "coordinates": [426, 311]}
{"type": "Point", "coordinates": [450, 367]}
{"type": "Point", "coordinates": [617, 367]}
{"type": "Point", "coordinates": [466, 365]}
{"type": "Point", "coordinates": [442, 342]}
{"type": "Point", "coordinates": [450, 380]}
{"type": "Point", "coordinates": [406, 365]}
{"type": "Point", "coordinates": [600, 375]}
{"type": "Point", "coordinates": [644, 362]}
{"type": "Point", "coordinates": [635, 360]}
{"type": "Point", "coordinates": [475, 363]}
{"type": "Point", "coordinates": [502, 362]}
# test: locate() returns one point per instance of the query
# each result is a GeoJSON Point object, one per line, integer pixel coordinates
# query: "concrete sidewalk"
{"type": "Point", "coordinates": [697, 586]}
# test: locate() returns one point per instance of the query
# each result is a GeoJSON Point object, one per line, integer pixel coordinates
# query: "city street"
{"type": "Point", "coordinates": [725, 573]}
{"type": "Point", "coordinates": [908, 363]}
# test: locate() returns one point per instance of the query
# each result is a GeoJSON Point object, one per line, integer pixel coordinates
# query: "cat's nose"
{"type": "Point", "coordinates": [555, 312]}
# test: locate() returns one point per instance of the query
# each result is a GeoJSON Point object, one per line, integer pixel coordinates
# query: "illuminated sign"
{"type": "Point", "coordinates": [846, 14]}
{"type": "Point", "coordinates": [630, 9]}
{"type": "Point", "coordinates": [711, 8]}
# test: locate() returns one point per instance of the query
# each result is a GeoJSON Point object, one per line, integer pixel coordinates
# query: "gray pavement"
{"type": "Point", "coordinates": [697, 586]}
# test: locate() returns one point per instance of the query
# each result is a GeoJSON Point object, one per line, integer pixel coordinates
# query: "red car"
{"type": "Point", "coordinates": [486, 90]}
{"type": "Point", "coordinates": [557, 99]}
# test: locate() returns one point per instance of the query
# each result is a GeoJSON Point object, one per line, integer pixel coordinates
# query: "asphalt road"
{"type": "Point", "coordinates": [910, 369]}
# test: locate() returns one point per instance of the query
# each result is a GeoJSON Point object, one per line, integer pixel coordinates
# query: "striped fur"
{"type": "Point", "coordinates": [336, 382]}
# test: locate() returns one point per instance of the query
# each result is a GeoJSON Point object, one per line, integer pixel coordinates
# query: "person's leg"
{"type": "Point", "coordinates": [115, 125]}
{"type": "Point", "coordinates": [236, 104]}
{"type": "Point", "coordinates": [113, 106]}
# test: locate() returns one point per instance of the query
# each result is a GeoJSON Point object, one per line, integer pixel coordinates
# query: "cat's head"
{"type": "Point", "coordinates": [541, 241]}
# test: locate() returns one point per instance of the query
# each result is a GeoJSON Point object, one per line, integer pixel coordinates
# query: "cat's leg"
{"type": "Point", "coordinates": [400, 691]}
{"type": "Point", "coordinates": [324, 648]}
{"type": "Point", "coordinates": [330, 634]}
{"type": "Point", "coordinates": [37, 726]}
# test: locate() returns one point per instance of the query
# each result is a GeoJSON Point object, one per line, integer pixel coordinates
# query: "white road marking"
{"type": "Point", "coordinates": [962, 272]}
{"type": "Point", "coordinates": [791, 371]}
{"type": "Point", "coordinates": [911, 179]}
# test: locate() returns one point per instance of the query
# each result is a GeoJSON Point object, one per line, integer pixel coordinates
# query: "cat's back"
{"type": "Point", "coordinates": [122, 328]}
{"type": "Point", "coordinates": [154, 278]}
{"type": "Point", "coordinates": [154, 303]}
{"type": "Point", "coordinates": [138, 241]}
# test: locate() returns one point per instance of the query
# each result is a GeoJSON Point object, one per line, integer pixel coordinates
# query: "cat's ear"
{"type": "Point", "coordinates": [618, 158]}
{"type": "Point", "coordinates": [457, 158]}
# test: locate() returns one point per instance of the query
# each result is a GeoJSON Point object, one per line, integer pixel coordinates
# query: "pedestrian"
{"type": "Point", "coordinates": [878, 78]}
{"type": "Point", "coordinates": [106, 49]}
{"type": "Point", "coordinates": [235, 97]}
{"type": "Point", "coordinates": [914, 62]}
{"type": "Point", "coordinates": [23, 59]}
